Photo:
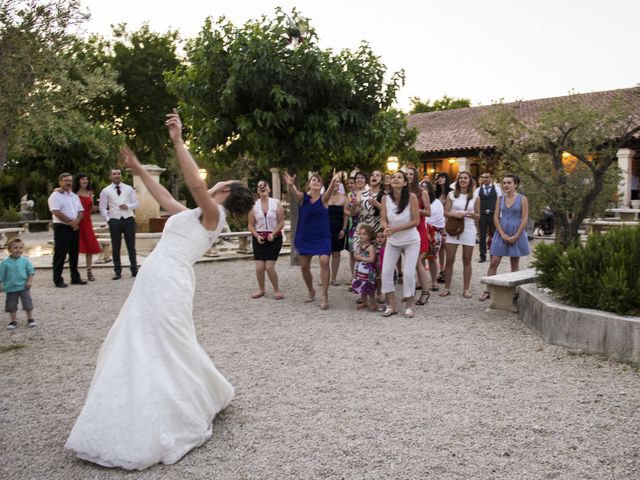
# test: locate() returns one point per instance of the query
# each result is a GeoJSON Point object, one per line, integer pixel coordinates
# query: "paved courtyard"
{"type": "Point", "coordinates": [458, 392]}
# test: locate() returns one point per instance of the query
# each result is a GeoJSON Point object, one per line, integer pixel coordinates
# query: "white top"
{"type": "Point", "coordinates": [468, 236]}
{"type": "Point", "coordinates": [404, 237]}
{"type": "Point", "coordinates": [67, 203]}
{"type": "Point", "coordinates": [268, 222]}
{"type": "Point", "coordinates": [110, 201]}
{"type": "Point", "coordinates": [437, 214]}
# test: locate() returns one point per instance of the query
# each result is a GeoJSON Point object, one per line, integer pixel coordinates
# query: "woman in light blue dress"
{"type": "Point", "coordinates": [510, 218]}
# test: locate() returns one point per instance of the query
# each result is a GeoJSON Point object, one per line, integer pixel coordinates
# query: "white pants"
{"type": "Point", "coordinates": [391, 256]}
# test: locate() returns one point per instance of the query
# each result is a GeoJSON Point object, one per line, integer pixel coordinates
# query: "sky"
{"type": "Point", "coordinates": [484, 50]}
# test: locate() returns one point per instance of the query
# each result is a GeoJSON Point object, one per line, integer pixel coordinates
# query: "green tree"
{"type": "Point", "coordinates": [566, 156]}
{"type": "Point", "coordinates": [43, 82]}
{"type": "Point", "coordinates": [267, 91]}
{"type": "Point", "coordinates": [137, 110]}
{"type": "Point", "coordinates": [444, 103]}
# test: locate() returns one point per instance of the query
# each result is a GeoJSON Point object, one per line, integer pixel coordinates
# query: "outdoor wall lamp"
{"type": "Point", "coordinates": [392, 164]}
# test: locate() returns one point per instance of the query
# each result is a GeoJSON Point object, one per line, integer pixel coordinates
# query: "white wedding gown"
{"type": "Point", "coordinates": [155, 391]}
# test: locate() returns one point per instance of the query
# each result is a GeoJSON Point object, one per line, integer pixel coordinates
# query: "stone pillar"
{"type": "Point", "coordinates": [464, 164]}
{"type": "Point", "coordinates": [149, 208]}
{"type": "Point", "coordinates": [276, 188]}
{"type": "Point", "coordinates": [625, 157]}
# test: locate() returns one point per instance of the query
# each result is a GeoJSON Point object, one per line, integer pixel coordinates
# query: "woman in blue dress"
{"type": "Point", "coordinates": [313, 233]}
{"type": "Point", "coordinates": [510, 218]}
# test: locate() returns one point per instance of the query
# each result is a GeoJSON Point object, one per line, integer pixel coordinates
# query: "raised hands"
{"type": "Point", "coordinates": [174, 125]}
{"type": "Point", "coordinates": [288, 179]}
{"type": "Point", "coordinates": [130, 159]}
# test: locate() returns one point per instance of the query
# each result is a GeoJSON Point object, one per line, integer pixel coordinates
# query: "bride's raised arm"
{"type": "Point", "coordinates": [157, 191]}
{"type": "Point", "coordinates": [196, 185]}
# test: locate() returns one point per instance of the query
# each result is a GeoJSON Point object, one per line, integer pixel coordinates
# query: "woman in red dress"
{"type": "Point", "coordinates": [424, 207]}
{"type": "Point", "coordinates": [88, 241]}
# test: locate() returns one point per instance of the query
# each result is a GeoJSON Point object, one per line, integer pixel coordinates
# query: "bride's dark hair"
{"type": "Point", "coordinates": [240, 199]}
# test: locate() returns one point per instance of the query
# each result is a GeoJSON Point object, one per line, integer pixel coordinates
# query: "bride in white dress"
{"type": "Point", "coordinates": [155, 391]}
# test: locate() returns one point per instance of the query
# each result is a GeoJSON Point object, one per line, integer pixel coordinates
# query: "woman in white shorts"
{"type": "Point", "coordinates": [461, 203]}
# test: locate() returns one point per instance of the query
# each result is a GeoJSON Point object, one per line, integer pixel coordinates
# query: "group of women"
{"type": "Point", "coordinates": [404, 240]}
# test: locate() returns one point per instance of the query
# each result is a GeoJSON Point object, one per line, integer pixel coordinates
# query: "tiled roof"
{"type": "Point", "coordinates": [455, 130]}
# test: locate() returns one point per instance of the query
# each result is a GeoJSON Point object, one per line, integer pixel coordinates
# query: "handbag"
{"type": "Point", "coordinates": [455, 226]}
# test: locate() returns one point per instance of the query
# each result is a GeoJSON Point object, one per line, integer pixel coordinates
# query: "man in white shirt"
{"type": "Point", "coordinates": [117, 203]}
{"type": "Point", "coordinates": [66, 213]}
{"type": "Point", "coordinates": [488, 193]}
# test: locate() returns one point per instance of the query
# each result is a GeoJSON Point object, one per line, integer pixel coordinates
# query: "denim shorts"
{"type": "Point", "coordinates": [11, 305]}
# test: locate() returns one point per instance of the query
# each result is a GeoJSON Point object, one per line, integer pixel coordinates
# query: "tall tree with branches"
{"type": "Point", "coordinates": [566, 156]}
{"type": "Point", "coordinates": [267, 91]}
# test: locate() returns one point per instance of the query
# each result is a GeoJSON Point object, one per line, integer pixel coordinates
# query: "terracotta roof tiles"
{"type": "Point", "coordinates": [451, 130]}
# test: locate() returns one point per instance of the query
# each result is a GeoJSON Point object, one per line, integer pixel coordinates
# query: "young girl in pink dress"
{"type": "Point", "coordinates": [364, 272]}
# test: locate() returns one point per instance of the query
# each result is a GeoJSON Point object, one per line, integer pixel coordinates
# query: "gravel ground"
{"type": "Point", "coordinates": [456, 392]}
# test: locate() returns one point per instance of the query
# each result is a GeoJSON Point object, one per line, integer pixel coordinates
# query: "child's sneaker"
{"type": "Point", "coordinates": [12, 326]}
{"type": "Point", "coordinates": [31, 323]}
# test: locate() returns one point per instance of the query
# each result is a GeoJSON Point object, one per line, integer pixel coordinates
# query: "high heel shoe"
{"type": "Point", "coordinates": [424, 297]}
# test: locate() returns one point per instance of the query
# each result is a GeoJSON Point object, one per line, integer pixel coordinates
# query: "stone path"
{"type": "Point", "coordinates": [457, 392]}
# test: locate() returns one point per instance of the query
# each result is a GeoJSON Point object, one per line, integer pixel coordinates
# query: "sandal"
{"type": "Point", "coordinates": [445, 293]}
{"type": "Point", "coordinates": [484, 296]}
{"type": "Point", "coordinates": [324, 304]}
{"type": "Point", "coordinates": [440, 277]}
{"type": "Point", "coordinates": [424, 297]}
{"type": "Point", "coordinates": [310, 297]}
{"type": "Point", "coordinates": [257, 295]}
{"type": "Point", "coordinates": [388, 312]}
{"type": "Point", "coordinates": [90, 276]}
{"type": "Point", "coordinates": [361, 306]}
{"type": "Point", "coordinates": [408, 313]}
{"type": "Point", "coordinates": [278, 296]}
{"type": "Point", "coordinates": [467, 294]}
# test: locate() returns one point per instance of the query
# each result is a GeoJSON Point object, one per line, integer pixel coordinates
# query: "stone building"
{"type": "Point", "coordinates": [450, 141]}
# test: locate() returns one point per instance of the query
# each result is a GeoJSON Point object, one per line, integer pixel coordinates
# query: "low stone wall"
{"type": "Point", "coordinates": [592, 331]}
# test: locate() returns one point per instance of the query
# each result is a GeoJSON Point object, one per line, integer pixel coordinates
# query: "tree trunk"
{"type": "Point", "coordinates": [563, 229]}
{"type": "Point", "coordinates": [4, 147]}
{"type": "Point", "coordinates": [293, 212]}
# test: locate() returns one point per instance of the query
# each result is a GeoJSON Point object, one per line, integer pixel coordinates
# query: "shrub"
{"type": "Point", "coordinates": [10, 215]}
{"type": "Point", "coordinates": [603, 274]}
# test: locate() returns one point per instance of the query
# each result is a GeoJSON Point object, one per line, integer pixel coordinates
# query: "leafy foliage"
{"type": "Point", "coordinates": [266, 90]}
{"type": "Point", "coordinates": [137, 110]}
{"type": "Point", "coordinates": [46, 82]}
{"type": "Point", "coordinates": [444, 103]}
{"type": "Point", "coordinates": [573, 186]}
{"type": "Point", "coordinates": [603, 274]}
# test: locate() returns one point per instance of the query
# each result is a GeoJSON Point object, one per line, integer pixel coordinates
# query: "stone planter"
{"type": "Point", "coordinates": [592, 331]}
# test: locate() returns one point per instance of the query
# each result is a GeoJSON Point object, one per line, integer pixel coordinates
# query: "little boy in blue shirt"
{"type": "Point", "coordinates": [16, 275]}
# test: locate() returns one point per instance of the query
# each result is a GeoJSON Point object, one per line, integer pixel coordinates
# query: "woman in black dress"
{"type": "Point", "coordinates": [339, 222]}
{"type": "Point", "coordinates": [265, 221]}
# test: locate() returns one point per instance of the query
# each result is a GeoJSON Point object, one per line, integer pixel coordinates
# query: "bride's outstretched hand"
{"type": "Point", "coordinates": [174, 125]}
{"type": "Point", "coordinates": [130, 159]}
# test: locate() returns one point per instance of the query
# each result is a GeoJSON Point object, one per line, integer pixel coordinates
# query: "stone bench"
{"type": "Point", "coordinates": [37, 225]}
{"type": "Point", "coordinates": [7, 234]}
{"type": "Point", "coordinates": [599, 226]}
{"type": "Point", "coordinates": [244, 240]}
{"type": "Point", "coordinates": [105, 246]}
{"type": "Point", "coordinates": [503, 287]}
